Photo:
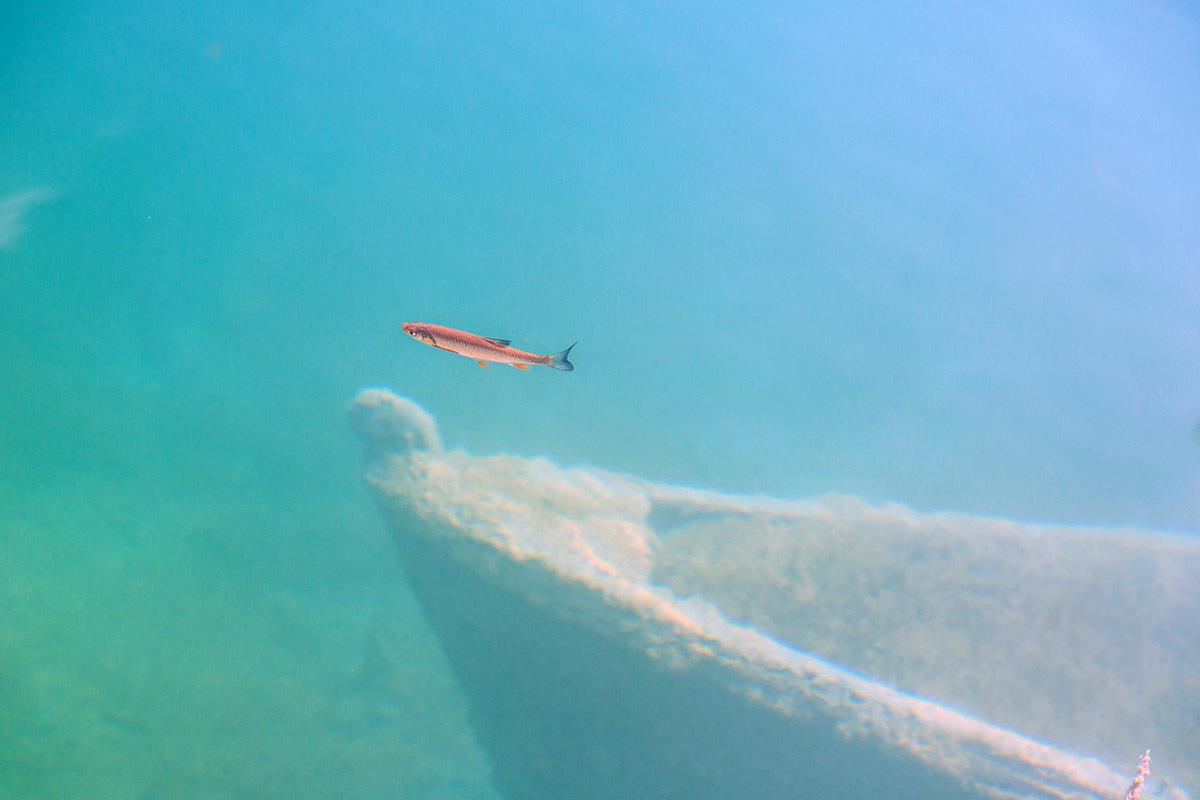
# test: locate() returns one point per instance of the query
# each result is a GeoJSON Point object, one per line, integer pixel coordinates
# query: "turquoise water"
{"type": "Point", "coordinates": [943, 255]}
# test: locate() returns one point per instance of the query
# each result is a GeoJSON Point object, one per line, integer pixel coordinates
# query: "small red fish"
{"type": "Point", "coordinates": [482, 348]}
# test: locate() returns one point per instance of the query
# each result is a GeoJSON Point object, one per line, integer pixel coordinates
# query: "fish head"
{"type": "Point", "coordinates": [419, 331]}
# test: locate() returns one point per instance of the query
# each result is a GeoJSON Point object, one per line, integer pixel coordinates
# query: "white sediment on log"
{"type": "Point", "coordinates": [682, 573]}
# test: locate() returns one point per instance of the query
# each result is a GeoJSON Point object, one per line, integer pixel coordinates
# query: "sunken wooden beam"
{"type": "Point", "coordinates": [620, 638]}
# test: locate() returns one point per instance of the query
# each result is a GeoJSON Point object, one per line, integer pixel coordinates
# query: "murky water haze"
{"type": "Point", "coordinates": [937, 255]}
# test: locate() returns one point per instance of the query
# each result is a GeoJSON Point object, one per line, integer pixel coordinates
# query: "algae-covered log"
{"type": "Point", "coordinates": [620, 638]}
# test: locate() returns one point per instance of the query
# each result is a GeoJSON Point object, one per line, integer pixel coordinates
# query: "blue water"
{"type": "Point", "coordinates": [946, 255]}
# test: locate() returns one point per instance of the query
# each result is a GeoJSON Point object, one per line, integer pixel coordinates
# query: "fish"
{"type": "Point", "coordinates": [15, 208]}
{"type": "Point", "coordinates": [483, 348]}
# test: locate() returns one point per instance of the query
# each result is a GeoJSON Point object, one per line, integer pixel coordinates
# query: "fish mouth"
{"type": "Point", "coordinates": [417, 331]}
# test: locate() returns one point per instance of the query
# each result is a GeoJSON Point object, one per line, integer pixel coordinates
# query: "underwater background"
{"type": "Point", "coordinates": [946, 255]}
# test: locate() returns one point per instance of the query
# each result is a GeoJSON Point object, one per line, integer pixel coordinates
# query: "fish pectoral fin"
{"type": "Point", "coordinates": [499, 342]}
{"type": "Point", "coordinates": [521, 366]}
{"type": "Point", "coordinates": [481, 363]}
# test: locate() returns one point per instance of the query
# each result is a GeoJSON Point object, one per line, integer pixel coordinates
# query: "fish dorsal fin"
{"type": "Point", "coordinates": [499, 342]}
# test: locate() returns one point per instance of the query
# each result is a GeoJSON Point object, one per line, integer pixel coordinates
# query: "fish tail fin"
{"type": "Point", "coordinates": [559, 360]}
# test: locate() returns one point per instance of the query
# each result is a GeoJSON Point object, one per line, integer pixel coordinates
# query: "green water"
{"type": "Point", "coordinates": [940, 256]}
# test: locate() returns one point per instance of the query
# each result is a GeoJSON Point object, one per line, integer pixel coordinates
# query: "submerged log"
{"type": "Point", "coordinates": [617, 638]}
